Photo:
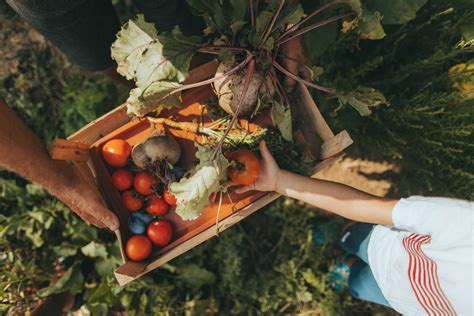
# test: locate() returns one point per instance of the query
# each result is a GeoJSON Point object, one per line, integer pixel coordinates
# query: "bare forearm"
{"type": "Point", "coordinates": [337, 198]}
{"type": "Point", "coordinates": [23, 153]}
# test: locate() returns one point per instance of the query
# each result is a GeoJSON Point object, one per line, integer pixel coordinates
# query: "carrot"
{"type": "Point", "coordinates": [185, 126]}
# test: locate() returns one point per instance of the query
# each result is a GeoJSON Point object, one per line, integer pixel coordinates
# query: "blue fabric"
{"type": "Point", "coordinates": [362, 284]}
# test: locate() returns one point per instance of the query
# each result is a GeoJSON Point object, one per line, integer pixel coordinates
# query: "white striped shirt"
{"type": "Point", "coordinates": [424, 266]}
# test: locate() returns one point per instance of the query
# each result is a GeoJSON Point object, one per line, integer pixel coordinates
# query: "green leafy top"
{"type": "Point", "coordinates": [156, 62]}
{"type": "Point", "coordinates": [209, 176]}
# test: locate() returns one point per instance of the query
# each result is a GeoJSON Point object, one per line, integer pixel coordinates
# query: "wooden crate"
{"type": "Point", "coordinates": [83, 149]}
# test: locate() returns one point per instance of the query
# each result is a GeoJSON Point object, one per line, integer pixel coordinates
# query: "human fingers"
{"type": "Point", "coordinates": [267, 156]}
{"type": "Point", "coordinates": [90, 219]}
{"type": "Point", "coordinates": [245, 188]}
{"type": "Point", "coordinates": [107, 218]}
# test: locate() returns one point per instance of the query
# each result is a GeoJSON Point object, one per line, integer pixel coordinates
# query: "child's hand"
{"type": "Point", "coordinates": [269, 173]}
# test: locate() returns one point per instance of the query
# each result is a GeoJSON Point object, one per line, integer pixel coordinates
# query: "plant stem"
{"type": "Point", "coordinates": [313, 26]}
{"type": "Point", "coordinates": [299, 79]}
{"type": "Point", "coordinates": [252, 13]}
{"type": "Point", "coordinates": [240, 65]}
{"type": "Point", "coordinates": [315, 12]}
{"type": "Point", "coordinates": [269, 29]}
{"type": "Point", "coordinates": [248, 79]}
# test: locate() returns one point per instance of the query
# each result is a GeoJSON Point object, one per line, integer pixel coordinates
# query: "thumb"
{"type": "Point", "coordinates": [109, 219]}
{"type": "Point", "coordinates": [243, 189]}
{"type": "Point", "coordinates": [265, 152]}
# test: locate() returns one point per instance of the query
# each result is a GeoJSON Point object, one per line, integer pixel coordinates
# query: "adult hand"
{"type": "Point", "coordinates": [86, 202]}
{"type": "Point", "coordinates": [294, 58]}
{"type": "Point", "coordinates": [269, 173]}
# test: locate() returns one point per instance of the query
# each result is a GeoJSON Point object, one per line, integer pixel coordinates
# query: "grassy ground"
{"type": "Point", "coordinates": [268, 263]}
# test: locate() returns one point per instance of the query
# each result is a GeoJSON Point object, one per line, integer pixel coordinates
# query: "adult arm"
{"type": "Point", "coordinates": [23, 152]}
{"type": "Point", "coordinates": [334, 197]}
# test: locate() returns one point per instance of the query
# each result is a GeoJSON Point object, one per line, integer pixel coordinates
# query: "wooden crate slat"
{"type": "Point", "coordinates": [335, 145]}
{"type": "Point", "coordinates": [62, 149]}
{"type": "Point", "coordinates": [124, 278]}
{"type": "Point", "coordinates": [315, 118]}
{"type": "Point", "coordinates": [118, 116]}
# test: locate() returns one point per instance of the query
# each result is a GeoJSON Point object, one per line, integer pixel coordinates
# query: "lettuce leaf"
{"type": "Point", "coordinates": [156, 62]}
{"type": "Point", "coordinates": [209, 176]}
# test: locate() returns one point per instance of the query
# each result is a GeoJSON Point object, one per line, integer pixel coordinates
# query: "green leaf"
{"type": "Point", "coordinates": [315, 72]}
{"type": "Point", "coordinates": [238, 10]}
{"type": "Point", "coordinates": [141, 102]}
{"type": "Point", "coordinates": [467, 31]}
{"type": "Point", "coordinates": [362, 99]}
{"type": "Point", "coordinates": [262, 20]}
{"type": "Point", "coordinates": [396, 11]}
{"type": "Point", "coordinates": [196, 276]}
{"type": "Point", "coordinates": [66, 250]}
{"type": "Point", "coordinates": [320, 39]}
{"type": "Point", "coordinates": [281, 117]}
{"type": "Point", "coordinates": [355, 5]}
{"type": "Point", "coordinates": [209, 176]}
{"type": "Point", "coordinates": [212, 11]}
{"type": "Point", "coordinates": [157, 63]}
{"type": "Point", "coordinates": [94, 250]}
{"type": "Point", "coordinates": [237, 26]}
{"type": "Point", "coordinates": [132, 41]}
{"type": "Point", "coordinates": [36, 190]}
{"type": "Point", "coordinates": [370, 27]}
{"type": "Point", "coordinates": [72, 280]}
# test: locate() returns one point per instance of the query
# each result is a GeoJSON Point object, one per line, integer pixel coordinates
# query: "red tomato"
{"type": "Point", "coordinates": [160, 233]}
{"type": "Point", "coordinates": [138, 248]}
{"type": "Point", "coordinates": [122, 179]}
{"type": "Point", "coordinates": [132, 202]}
{"type": "Point", "coordinates": [144, 183]}
{"type": "Point", "coordinates": [156, 206]}
{"type": "Point", "coordinates": [246, 169]}
{"type": "Point", "coordinates": [169, 198]}
{"type": "Point", "coordinates": [116, 152]}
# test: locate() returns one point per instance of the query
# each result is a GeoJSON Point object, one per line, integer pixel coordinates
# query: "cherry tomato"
{"type": "Point", "coordinates": [116, 152]}
{"type": "Point", "coordinates": [160, 233]}
{"type": "Point", "coordinates": [169, 198]}
{"type": "Point", "coordinates": [156, 206]}
{"type": "Point", "coordinates": [138, 248]}
{"type": "Point", "coordinates": [132, 202]}
{"type": "Point", "coordinates": [246, 168]}
{"type": "Point", "coordinates": [122, 179]}
{"type": "Point", "coordinates": [144, 183]}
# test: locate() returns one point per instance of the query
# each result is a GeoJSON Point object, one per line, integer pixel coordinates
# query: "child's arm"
{"type": "Point", "coordinates": [331, 196]}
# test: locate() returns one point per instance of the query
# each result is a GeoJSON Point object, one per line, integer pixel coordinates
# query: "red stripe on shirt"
{"type": "Point", "coordinates": [412, 266]}
{"type": "Point", "coordinates": [437, 289]}
{"type": "Point", "coordinates": [423, 274]}
{"type": "Point", "coordinates": [435, 302]}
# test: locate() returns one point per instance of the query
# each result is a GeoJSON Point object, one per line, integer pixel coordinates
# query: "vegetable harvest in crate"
{"type": "Point", "coordinates": [245, 37]}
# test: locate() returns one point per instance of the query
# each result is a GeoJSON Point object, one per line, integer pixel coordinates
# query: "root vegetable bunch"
{"type": "Point", "coordinates": [246, 37]}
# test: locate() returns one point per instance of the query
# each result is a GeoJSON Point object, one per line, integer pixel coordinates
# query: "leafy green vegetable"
{"type": "Point", "coordinates": [143, 101]}
{"type": "Point", "coordinates": [370, 27]}
{"type": "Point", "coordinates": [396, 11]}
{"type": "Point", "coordinates": [209, 176]}
{"type": "Point", "coordinates": [281, 117]}
{"type": "Point", "coordinates": [157, 63]}
{"type": "Point", "coordinates": [72, 280]}
{"type": "Point", "coordinates": [94, 250]}
{"type": "Point", "coordinates": [361, 99]}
